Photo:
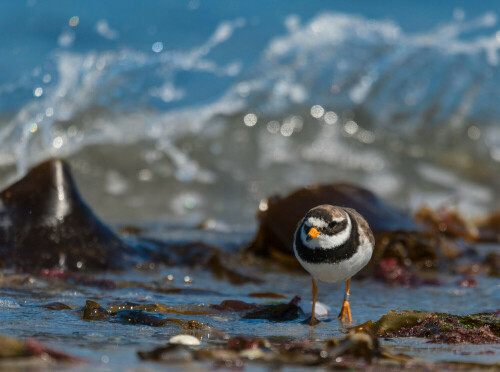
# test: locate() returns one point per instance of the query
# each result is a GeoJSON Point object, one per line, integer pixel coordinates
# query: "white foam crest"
{"type": "Point", "coordinates": [87, 82]}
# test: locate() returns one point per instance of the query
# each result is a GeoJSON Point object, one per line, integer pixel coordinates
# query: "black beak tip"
{"type": "Point", "coordinates": [309, 238]}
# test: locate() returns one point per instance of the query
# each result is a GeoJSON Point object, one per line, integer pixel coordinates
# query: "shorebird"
{"type": "Point", "coordinates": [333, 243]}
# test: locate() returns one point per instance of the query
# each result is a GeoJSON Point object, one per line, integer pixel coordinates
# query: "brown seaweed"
{"type": "Point", "coordinates": [94, 311]}
{"type": "Point", "coordinates": [448, 221]}
{"type": "Point", "coordinates": [437, 327]}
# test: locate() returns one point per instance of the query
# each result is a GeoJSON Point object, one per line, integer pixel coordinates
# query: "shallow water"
{"type": "Point", "coordinates": [110, 344]}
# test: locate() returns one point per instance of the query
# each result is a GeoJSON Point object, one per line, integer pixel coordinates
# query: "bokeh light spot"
{"type": "Point", "coordinates": [157, 47]}
{"type": "Point", "coordinates": [250, 120]}
{"type": "Point", "coordinates": [38, 91]}
{"type": "Point", "coordinates": [57, 142]}
{"type": "Point", "coordinates": [74, 21]}
{"type": "Point", "coordinates": [317, 111]}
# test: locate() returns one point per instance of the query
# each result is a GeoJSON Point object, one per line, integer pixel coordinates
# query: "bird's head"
{"type": "Point", "coordinates": [325, 226]}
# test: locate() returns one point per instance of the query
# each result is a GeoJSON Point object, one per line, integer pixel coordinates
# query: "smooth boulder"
{"type": "Point", "coordinates": [44, 222]}
{"type": "Point", "coordinates": [278, 221]}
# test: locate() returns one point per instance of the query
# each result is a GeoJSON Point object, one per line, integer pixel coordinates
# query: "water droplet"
{"type": "Point", "coordinates": [74, 21]}
{"type": "Point", "coordinates": [145, 175]}
{"type": "Point", "coordinates": [250, 120]}
{"type": "Point", "coordinates": [157, 47]}
{"type": "Point", "coordinates": [474, 132]}
{"type": "Point", "coordinates": [317, 111]}
{"type": "Point", "coordinates": [38, 91]}
{"type": "Point", "coordinates": [273, 126]}
{"type": "Point", "coordinates": [331, 117]}
{"type": "Point", "coordinates": [57, 142]}
{"type": "Point", "coordinates": [351, 127]}
{"type": "Point", "coordinates": [263, 205]}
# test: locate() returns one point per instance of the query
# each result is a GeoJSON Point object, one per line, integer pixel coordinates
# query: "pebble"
{"type": "Point", "coordinates": [321, 310]}
{"type": "Point", "coordinates": [184, 340]}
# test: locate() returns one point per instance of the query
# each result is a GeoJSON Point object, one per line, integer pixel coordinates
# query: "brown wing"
{"type": "Point", "coordinates": [363, 225]}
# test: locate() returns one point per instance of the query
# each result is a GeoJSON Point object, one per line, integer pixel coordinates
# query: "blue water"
{"type": "Point", "coordinates": [203, 108]}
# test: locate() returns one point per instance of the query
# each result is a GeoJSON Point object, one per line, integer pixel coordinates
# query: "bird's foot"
{"type": "Point", "coordinates": [312, 321]}
{"type": "Point", "coordinates": [345, 312]}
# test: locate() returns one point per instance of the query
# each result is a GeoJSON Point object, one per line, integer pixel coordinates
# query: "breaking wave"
{"type": "Point", "coordinates": [412, 116]}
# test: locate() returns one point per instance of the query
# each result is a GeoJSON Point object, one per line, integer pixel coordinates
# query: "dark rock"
{"type": "Point", "coordinates": [235, 305]}
{"type": "Point", "coordinates": [356, 345]}
{"type": "Point", "coordinates": [144, 318]}
{"type": "Point", "coordinates": [266, 295]}
{"type": "Point", "coordinates": [169, 354]}
{"type": "Point", "coordinates": [275, 313]}
{"type": "Point", "coordinates": [57, 306]}
{"type": "Point", "coordinates": [279, 221]}
{"type": "Point", "coordinates": [94, 311]}
{"type": "Point", "coordinates": [44, 222]}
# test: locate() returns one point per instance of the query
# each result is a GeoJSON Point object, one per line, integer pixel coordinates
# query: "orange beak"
{"type": "Point", "coordinates": [313, 234]}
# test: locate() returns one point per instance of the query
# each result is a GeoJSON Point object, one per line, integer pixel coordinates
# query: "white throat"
{"type": "Point", "coordinates": [327, 241]}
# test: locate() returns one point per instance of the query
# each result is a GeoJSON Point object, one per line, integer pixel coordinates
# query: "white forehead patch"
{"type": "Point", "coordinates": [316, 222]}
{"type": "Point", "coordinates": [327, 241]}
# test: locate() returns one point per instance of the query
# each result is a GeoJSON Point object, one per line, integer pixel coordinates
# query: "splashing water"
{"type": "Point", "coordinates": [190, 134]}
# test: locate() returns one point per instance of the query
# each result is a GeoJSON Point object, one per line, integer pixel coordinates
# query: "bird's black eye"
{"type": "Point", "coordinates": [332, 224]}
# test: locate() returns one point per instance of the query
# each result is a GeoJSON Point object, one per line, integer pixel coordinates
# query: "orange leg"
{"type": "Point", "coordinates": [346, 309]}
{"type": "Point", "coordinates": [314, 292]}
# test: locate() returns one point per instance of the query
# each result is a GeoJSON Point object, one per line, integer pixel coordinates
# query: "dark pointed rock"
{"type": "Point", "coordinates": [44, 222]}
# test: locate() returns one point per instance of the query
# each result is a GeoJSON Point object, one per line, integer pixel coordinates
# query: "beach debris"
{"type": "Point", "coordinates": [94, 311]}
{"type": "Point", "coordinates": [184, 340]}
{"type": "Point", "coordinates": [448, 221]}
{"type": "Point", "coordinates": [11, 348]}
{"type": "Point", "coordinates": [437, 327]}
{"type": "Point", "coordinates": [468, 282]}
{"type": "Point", "coordinates": [489, 228]}
{"type": "Point", "coordinates": [352, 350]}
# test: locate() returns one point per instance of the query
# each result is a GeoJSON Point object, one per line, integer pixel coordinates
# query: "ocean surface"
{"type": "Point", "coordinates": [191, 110]}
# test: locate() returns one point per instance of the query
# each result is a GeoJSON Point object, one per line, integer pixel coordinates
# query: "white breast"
{"type": "Point", "coordinates": [343, 270]}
